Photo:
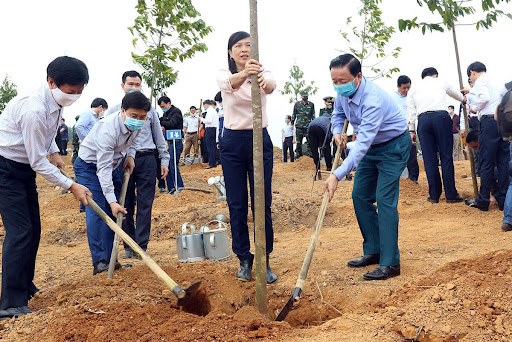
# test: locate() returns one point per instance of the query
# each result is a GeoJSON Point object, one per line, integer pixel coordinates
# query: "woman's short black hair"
{"type": "Point", "coordinates": [68, 70]}
{"type": "Point", "coordinates": [431, 71]}
{"type": "Point", "coordinates": [136, 100]}
{"type": "Point", "coordinates": [233, 39]}
{"type": "Point", "coordinates": [354, 66]}
{"type": "Point", "coordinates": [218, 97]}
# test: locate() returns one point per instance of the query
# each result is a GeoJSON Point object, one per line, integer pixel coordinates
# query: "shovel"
{"type": "Point", "coordinates": [294, 298]}
{"type": "Point", "coordinates": [192, 299]}
{"type": "Point", "coordinates": [115, 248]}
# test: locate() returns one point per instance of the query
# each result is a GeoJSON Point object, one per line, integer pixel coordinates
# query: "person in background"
{"type": "Point", "coordinates": [190, 129]}
{"type": "Point", "coordinates": [329, 106]}
{"type": "Point", "coordinates": [172, 120]}
{"type": "Point", "coordinates": [202, 139]}
{"type": "Point", "coordinates": [320, 136]}
{"type": "Point", "coordinates": [88, 119]}
{"type": "Point", "coordinates": [140, 193]}
{"type": "Point", "coordinates": [64, 137]}
{"type": "Point", "coordinates": [237, 148]}
{"type": "Point", "coordinates": [289, 139]}
{"type": "Point", "coordinates": [426, 104]}
{"type": "Point", "coordinates": [220, 110]}
{"type": "Point", "coordinates": [28, 127]}
{"type": "Point", "coordinates": [303, 114]}
{"type": "Point", "coordinates": [455, 131]}
{"type": "Point", "coordinates": [75, 141]}
{"type": "Point", "coordinates": [494, 151]}
{"type": "Point", "coordinates": [400, 98]}
{"type": "Point", "coordinates": [380, 153]}
{"type": "Point", "coordinates": [96, 167]}
{"type": "Point", "coordinates": [211, 124]}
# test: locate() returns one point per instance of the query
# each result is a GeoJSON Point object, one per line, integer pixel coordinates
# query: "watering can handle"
{"type": "Point", "coordinates": [218, 222]}
{"type": "Point", "coordinates": [212, 240]}
{"type": "Point", "coordinates": [184, 228]}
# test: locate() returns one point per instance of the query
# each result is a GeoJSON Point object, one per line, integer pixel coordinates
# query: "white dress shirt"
{"type": "Point", "coordinates": [211, 120]}
{"type": "Point", "coordinates": [192, 124]}
{"type": "Point", "coordinates": [28, 127]}
{"type": "Point", "coordinates": [106, 145]}
{"type": "Point", "coordinates": [486, 95]}
{"type": "Point", "coordinates": [429, 95]}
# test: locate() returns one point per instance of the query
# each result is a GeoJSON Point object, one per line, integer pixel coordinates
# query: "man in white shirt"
{"type": "Point", "coordinates": [289, 139]}
{"type": "Point", "coordinates": [28, 127]}
{"type": "Point", "coordinates": [494, 151]}
{"type": "Point", "coordinates": [211, 124]}
{"type": "Point", "coordinates": [190, 129]}
{"type": "Point", "coordinates": [426, 104]}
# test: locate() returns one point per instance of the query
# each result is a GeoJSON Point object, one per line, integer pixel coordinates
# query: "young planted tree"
{"type": "Point", "coordinates": [296, 84]}
{"type": "Point", "coordinates": [168, 31]}
{"type": "Point", "coordinates": [7, 92]}
{"type": "Point", "coordinates": [369, 41]}
{"type": "Point", "coordinates": [450, 12]}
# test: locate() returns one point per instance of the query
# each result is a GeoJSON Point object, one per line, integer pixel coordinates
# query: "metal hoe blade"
{"type": "Point", "coordinates": [289, 304]}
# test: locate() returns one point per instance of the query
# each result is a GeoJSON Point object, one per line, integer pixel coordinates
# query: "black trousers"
{"type": "Point", "coordinates": [211, 145]}
{"type": "Point", "coordinates": [316, 137]}
{"type": "Point", "coordinates": [19, 207]}
{"type": "Point", "coordinates": [161, 181]}
{"type": "Point", "coordinates": [494, 152]}
{"type": "Point", "coordinates": [412, 164]}
{"type": "Point", "coordinates": [288, 148]}
{"type": "Point", "coordinates": [435, 133]}
{"type": "Point", "coordinates": [237, 166]}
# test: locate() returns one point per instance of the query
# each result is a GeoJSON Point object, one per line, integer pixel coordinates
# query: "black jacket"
{"type": "Point", "coordinates": [173, 119]}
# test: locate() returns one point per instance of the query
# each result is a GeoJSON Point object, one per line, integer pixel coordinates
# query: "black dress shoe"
{"type": "Point", "coordinates": [271, 276]}
{"type": "Point", "coordinates": [14, 312]}
{"type": "Point", "coordinates": [506, 227]}
{"type": "Point", "coordinates": [431, 200]}
{"type": "Point", "coordinates": [99, 267]}
{"type": "Point", "coordinates": [32, 290]}
{"type": "Point", "coordinates": [365, 260]}
{"type": "Point", "coordinates": [244, 274]}
{"type": "Point", "coordinates": [382, 273]}
{"type": "Point", "coordinates": [501, 207]}
{"type": "Point", "coordinates": [474, 204]}
{"type": "Point", "coordinates": [457, 199]}
{"type": "Point", "coordinates": [210, 167]}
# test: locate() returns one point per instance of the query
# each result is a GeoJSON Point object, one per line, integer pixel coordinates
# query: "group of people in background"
{"type": "Point", "coordinates": [130, 137]}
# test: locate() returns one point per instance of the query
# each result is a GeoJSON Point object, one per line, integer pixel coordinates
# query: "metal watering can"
{"type": "Point", "coordinates": [190, 246]}
{"type": "Point", "coordinates": [216, 243]}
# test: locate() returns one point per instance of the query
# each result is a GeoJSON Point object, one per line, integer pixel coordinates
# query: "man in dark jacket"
{"type": "Point", "coordinates": [172, 120]}
{"type": "Point", "coordinates": [317, 131]}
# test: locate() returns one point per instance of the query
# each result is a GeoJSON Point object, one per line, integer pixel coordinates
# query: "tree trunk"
{"type": "Point", "coordinates": [259, 184]}
{"type": "Point", "coordinates": [466, 121]}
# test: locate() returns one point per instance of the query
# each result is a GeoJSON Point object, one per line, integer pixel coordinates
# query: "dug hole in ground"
{"type": "Point", "coordinates": [456, 266]}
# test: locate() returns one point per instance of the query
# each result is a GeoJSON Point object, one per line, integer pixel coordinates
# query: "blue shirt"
{"type": "Point", "coordinates": [288, 131]}
{"type": "Point", "coordinates": [401, 101]}
{"type": "Point", "coordinates": [322, 122]}
{"type": "Point", "coordinates": [375, 117]}
{"type": "Point", "coordinates": [85, 123]}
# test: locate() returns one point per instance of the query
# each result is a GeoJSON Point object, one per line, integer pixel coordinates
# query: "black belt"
{"type": "Point", "coordinates": [486, 115]}
{"type": "Point", "coordinates": [144, 153]}
{"type": "Point", "coordinates": [191, 133]}
{"type": "Point", "coordinates": [387, 142]}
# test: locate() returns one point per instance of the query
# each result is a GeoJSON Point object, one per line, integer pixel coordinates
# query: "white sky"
{"type": "Point", "coordinates": [34, 32]}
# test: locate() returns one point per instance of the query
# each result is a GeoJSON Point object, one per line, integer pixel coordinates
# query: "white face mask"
{"type": "Point", "coordinates": [129, 90]}
{"type": "Point", "coordinates": [64, 99]}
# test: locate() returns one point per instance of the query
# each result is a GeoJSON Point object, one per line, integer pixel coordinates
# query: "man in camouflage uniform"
{"type": "Point", "coordinates": [75, 142]}
{"type": "Point", "coordinates": [329, 106]}
{"type": "Point", "coordinates": [303, 114]}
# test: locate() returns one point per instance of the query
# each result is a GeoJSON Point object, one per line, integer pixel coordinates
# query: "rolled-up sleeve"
{"type": "Point", "coordinates": [33, 131]}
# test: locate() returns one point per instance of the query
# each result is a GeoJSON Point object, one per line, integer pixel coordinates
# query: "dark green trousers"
{"type": "Point", "coordinates": [300, 134]}
{"type": "Point", "coordinates": [377, 179]}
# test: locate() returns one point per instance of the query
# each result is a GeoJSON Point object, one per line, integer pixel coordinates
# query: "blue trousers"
{"type": "Point", "coordinates": [507, 217]}
{"type": "Point", "coordinates": [142, 179]}
{"type": "Point", "coordinates": [377, 179]}
{"type": "Point", "coordinates": [19, 207]}
{"type": "Point", "coordinates": [211, 145]}
{"type": "Point", "coordinates": [99, 235]}
{"type": "Point", "coordinates": [435, 133]}
{"type": "Point", "coordinates": [237, 165]}
{"type": "Point", "coordinates": [175, 160]}
{"type": "Point", "coordinates": [494, 152]}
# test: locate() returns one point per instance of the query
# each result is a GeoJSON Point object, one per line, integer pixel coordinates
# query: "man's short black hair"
{"type": "Point", "coordinates": [164, 99]}
{"type": "Point", "coordinates": [429, 72]}
{"type": "Point", "coordinates": [354, 66]}
{"type": "Point", "coordinates": [62, 119]}
{"type": "Point", "coordinates": [289, 117]}
{"type": "Point", "coordinates": [209, 102]}
{"type": "Point", "coordinates": [131, 73]}
{"type": "Point", "coordinates": [99, 102]}
{"type": "Point", "coordinates": [472, 137]}
{"type": "Point", "coordinates": [218, 97]}
{"type": "Point", "coordinates": [136, 100]}
{"type": "Point", "coordinates": [193, 107]}
{"type": "Point", "coordinates": [476, 67]}
{"type": "Point", "coordinates": [452, 107]}
{"type": "Point", "coordinates": [68, 70]}
{"type": "Point", "coordinates": [403, 80]}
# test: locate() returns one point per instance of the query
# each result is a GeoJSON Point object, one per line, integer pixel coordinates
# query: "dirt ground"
{"type": "Point", "coordinates": [455, 285]}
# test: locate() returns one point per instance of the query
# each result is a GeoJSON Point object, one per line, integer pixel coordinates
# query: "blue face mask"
{"type": "Point", "coordinates": [165, 110]}
{"type": "Point", "coordinates": [347, 89]}
{"type": "Point", "coordinates": [133, 124]}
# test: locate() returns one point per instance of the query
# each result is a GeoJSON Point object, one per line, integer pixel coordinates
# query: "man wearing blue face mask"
{"type": "Point", "coordinates": [149, 141]}
{"type": "Point", "coordinates": [96, 167]}
{"type": "Point", "coordinates": [27, 136]}
{"type": "Point", "coordinates": [380, 153]}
